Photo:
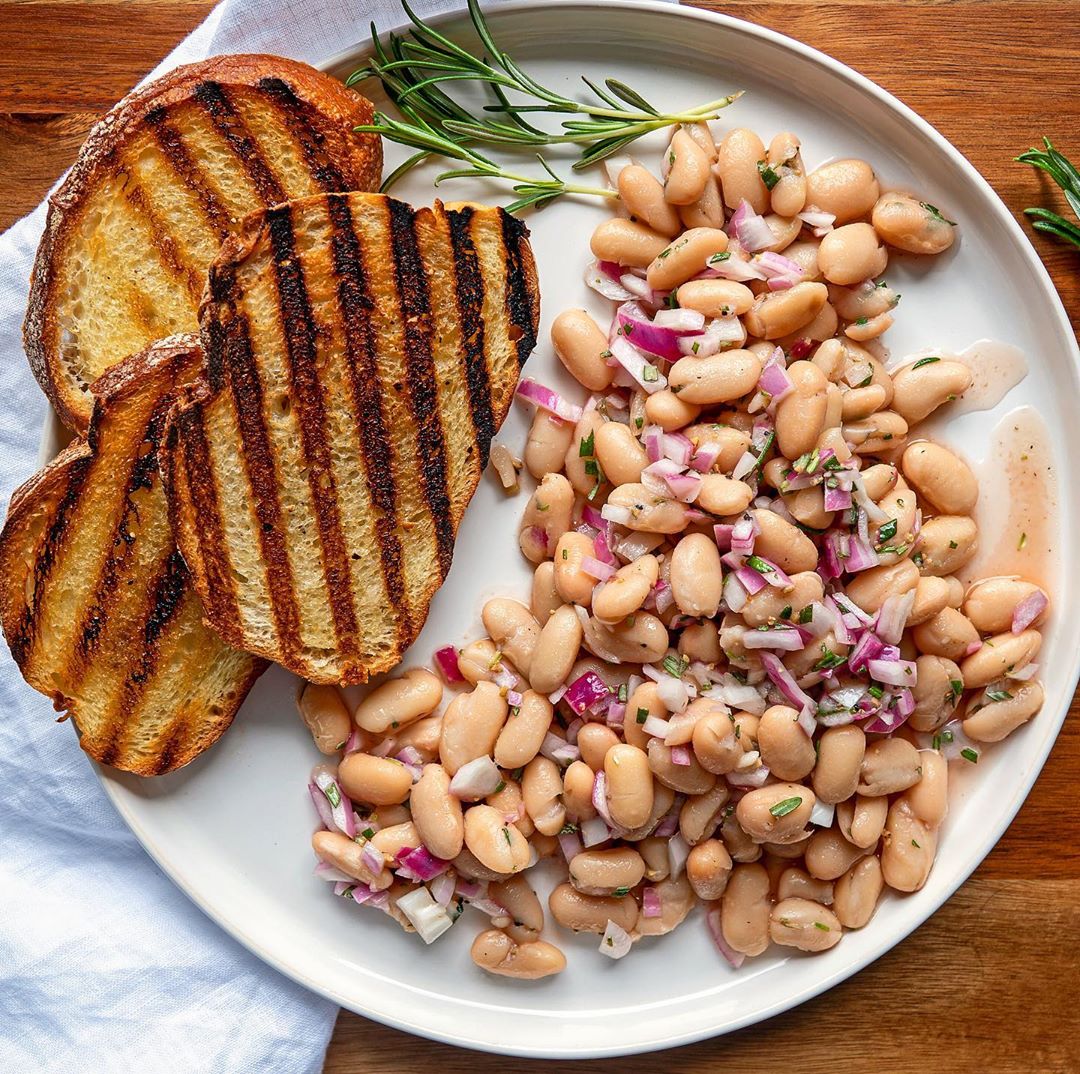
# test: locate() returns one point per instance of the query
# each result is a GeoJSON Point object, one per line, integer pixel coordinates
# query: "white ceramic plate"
{"type": "Point", "coordinates": [233, 829]}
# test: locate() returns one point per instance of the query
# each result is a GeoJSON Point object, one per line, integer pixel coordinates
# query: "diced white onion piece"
{"type": "Point", "coordinates": [428, 918]}
{"type": "Point", "coordinates": [616, 942]}
{"type": "Point", "coordinates": [594, 831]}
{"type": "Point", "coordinates": [678, 850]}
{"type": "Point", "coordinates": [822, 814]}
{"type": "Point", "coordinates": [476, 780]}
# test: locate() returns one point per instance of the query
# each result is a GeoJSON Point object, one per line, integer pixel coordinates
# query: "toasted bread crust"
{"type": "Point", "coordinates": [117, 655]}
{"type": "Point", "coordinates": [422, 321]}
{"type": "Point", "coordinates": [338, 159]}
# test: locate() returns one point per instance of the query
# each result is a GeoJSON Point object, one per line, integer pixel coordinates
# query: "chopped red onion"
{"type": "Point", "coordinates": [650, 903]}
{"type": "Point", "coordinates": [731, 267]}
{"type": "Point", "coordinates": [638, 288]}
{"type": "Point", "coordinates": [868, 647]}
{"type": "Point", "coordinates": [820, 222]}
{"type": "Point", "coordinates": [585, 691]}
{"type": "Point", "coordinates": [849, 607]}
{"type": "Point", "coordinates": [616, 942]}
{"type": "Point", "coordinates": [785, 682]}
{"type": "Point", "coordinates": [836, 498]}
{"type": "Point", "coordinates": [664, 597]}
{"type": "Point", "coordinates": [751, 230]}
{"type": "Point", "coordinates": [354, 742]}
{"type": "Point", "coordinates": [504, 678]}
{"type": "Point", "coordinates": [322, 807]}
{"type": "Point", "coordinates": [668, 479]}
{"type": "Point", "coordinates": [604, 284]}
{"type": "Point", "coordinates": [372, 857]}
{"type": "Point", "coordinates": [637, 366]}
{"type": "Point", "coordinates": [704, 458]}
{"type": "Point", "coordinates": [893, 672]}
{"type": "Point", "coordinates": [558, 695]}
{"type": "Point", "coordinates": [411, 759]}
{"type": "Point", "coordinates": [596, 568]}
{"type": "Point", "coordinates": [680, 755]}
{"type": "Point", "coordinates": [422, 864]}
{"type": "Point", "coordinates": [776, 266]}
{"type": "Point", "coordinates": [570, 844]}
{"type": "Point", "coordinates": [446, 660]}
{"type": "Point", "coordinates": [635, 326]}
{"type": "Point", "coordinates": [599, 799]}
{"type": "Point", "coordinates": [476, 780]}
{"type": "Point", "coordinates": [716, 931]}
{"type": "Point", "coordinates": [513, 698]}
{"type": "Point", "coordinates": [549, 400]}
{"type": "Point", "coordinates": [746, 465]}
{"type": "Point", "coordinates": [682, 319]}
{"type": "Point", "coordinates": [751, 580]}
{"type": "Point", "coordinates": [442, 888]}
{"type": "Point", "coordinates": [735, 596]}
{"type": "Point", "coordinates": [341, 807]}
{"type": "Point", "coordinates": [678, 448]}
{"type": "Point", "coordinates": [678, 850]}
{"type": "Point", "coordinates": [1028, 610]}
{"type": "Point", "coordinates": [785, 638]}
{"type": "Point", "coordinates": [807, 721]}
{"type": "Point", "coordinates": [601, 550]}
{"type": "Point", "coordinates": [774, 380]}
{"type": "Point", "coordinates": [559, 750]}
{"type": "Point", "coordinates": [893, 616]}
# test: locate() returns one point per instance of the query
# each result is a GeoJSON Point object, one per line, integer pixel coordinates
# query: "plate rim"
{"type": "Point", "coordinates": [234, 925]}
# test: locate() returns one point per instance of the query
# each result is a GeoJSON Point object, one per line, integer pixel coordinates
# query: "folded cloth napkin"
{"type": "Point", "coordinates": [105, 967]}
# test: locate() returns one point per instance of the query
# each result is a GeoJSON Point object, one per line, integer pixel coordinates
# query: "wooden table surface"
{"type": "Point", "coordinates": [989, 983]}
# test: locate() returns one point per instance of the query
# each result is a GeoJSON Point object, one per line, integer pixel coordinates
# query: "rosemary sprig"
{"type": "Point", "coordinates": [1065, 174]}
{"type": "Point", "coordinates": [533, 191]}
{"type": "Point", "coordinates": [414, 69]}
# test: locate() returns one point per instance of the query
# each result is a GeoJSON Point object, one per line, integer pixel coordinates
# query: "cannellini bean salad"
{"type": "Point", "coordinates": [747, 660]}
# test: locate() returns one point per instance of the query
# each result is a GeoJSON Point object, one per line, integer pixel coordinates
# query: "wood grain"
{"type": "Point", "coordinates": [987, 985]}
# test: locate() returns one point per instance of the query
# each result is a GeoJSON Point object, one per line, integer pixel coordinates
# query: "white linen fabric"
{"type": "Point", "coordinates": [105, 966]}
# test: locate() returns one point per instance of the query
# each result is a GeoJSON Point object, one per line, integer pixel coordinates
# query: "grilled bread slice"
{"type": "Point", "coordinates": [160, 182]}
{"type": "Point", "coordinates": [360, 355]}
{"type": "Point", "coordinates": [95, 600]}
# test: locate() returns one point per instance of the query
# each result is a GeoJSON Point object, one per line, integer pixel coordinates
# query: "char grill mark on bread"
{"type": "Point", "coordinates": [469, 287]}
{"type": "Point", "coordinates": [231, 126]}
{"type": "Point", "coordinates": [188, 171]}
{"type": "Point", "coordinates": [160, 182]}
{"type": "Point", "coordinates": [299, 330]}
{"type": "Point", "coordinates": [355, 306]}
{"type": "Point", "coordinates": [320, 467]}
{"type": "Point", "coordinates": [96, 601]}
{"type": "Point", "coordinates": [412, 294]}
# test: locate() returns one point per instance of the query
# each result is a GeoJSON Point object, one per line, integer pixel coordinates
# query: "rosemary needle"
{"type": "Point", "coordinates": [1065, 174]}
{"type": "Point", "coordinates": [417, 68]}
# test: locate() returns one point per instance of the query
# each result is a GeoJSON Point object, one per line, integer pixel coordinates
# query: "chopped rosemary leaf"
{"type": "Point", "coordinates": [925, 361]}
{"type": "Point", "coordinates": [970, 755]}
{"type": "Point", "coordinates": [768, 176]}
{"type": "Point", "coordinates": [783, 808]}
